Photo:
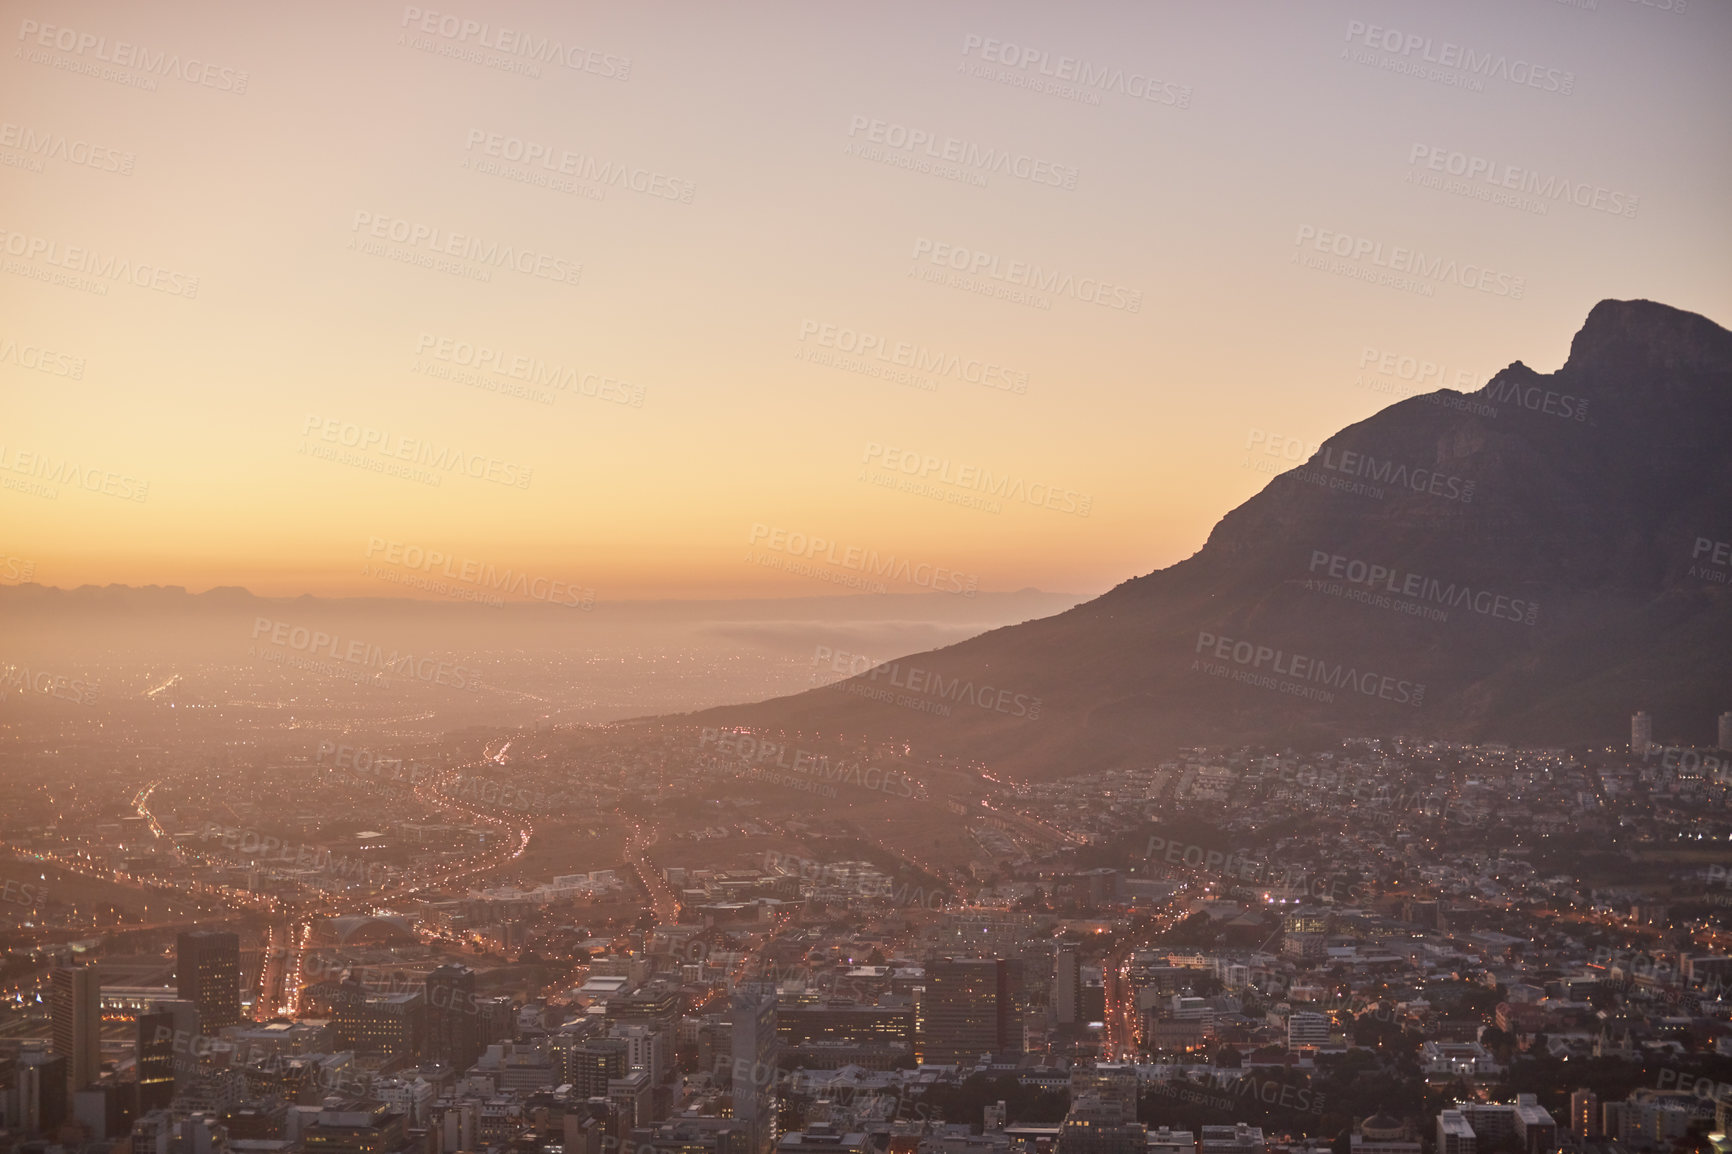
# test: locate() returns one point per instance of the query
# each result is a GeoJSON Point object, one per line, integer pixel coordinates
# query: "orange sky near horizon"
{"type": "Point", "coordinates": [635, 298]}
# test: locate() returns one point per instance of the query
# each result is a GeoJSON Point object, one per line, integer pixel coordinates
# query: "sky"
{"type": "Point", "coordinates": [783, 299]}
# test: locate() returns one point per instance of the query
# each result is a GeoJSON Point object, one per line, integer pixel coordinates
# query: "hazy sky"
{"type": "Point", "coordinates": [252, 253]}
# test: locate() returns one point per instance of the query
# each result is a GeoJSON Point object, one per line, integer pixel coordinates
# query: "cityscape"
{"type": "Point", "coordinates": [996, 577]}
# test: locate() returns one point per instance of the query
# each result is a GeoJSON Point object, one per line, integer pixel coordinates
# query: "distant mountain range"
{"type": "Point", "coordinates": [1528, 563]}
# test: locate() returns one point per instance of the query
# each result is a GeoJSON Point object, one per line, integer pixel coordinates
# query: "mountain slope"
{"type": "Point", "coordinates": [1526, 554]}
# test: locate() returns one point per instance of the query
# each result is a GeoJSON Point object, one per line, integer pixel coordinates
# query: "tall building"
{"type": "Point", "coordinates": [1725, 741]}
{"type": "Point", "coordinates": [453, 1019]}
{"type": "Point", "coordinates": [379, 1023]}
{"type": "Point", "coordinates": [1066, 985]}
{"type": "Point", "coordinates": [76, 1004]}
{"type": "Point", "coordinates": [1454, 1135]}
{"type": "Point", "coordinates": [207, 969]}
{"type": "Point", "coordinates": [593, 1063]}
{"type": "Point", "coordinates": [753, 1009]}
{"type": "Point", "coordinates": [155, 1051]}
{"type": "Point", "coordinates": [964, 1010]}
{"type": "Point", "coordinates": [1585, 1114]}
{"type": "Point", "coordinates": [1641, 732]}
{"type": "Point", "coordinates": [43, 1102]}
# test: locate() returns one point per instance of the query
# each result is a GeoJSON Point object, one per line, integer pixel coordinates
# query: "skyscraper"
{"type": "Point", "coordinates": [155, 1050]}
{"type": "Point", "coordinates": [453, 1024]}
{"type": "Point", "coordinates": [964, 1010]}
{"type": "Point", "coordinates": [754, 1044]}
{"type": "Point", "coordinates": [592, 1064]}
{"type": "Point", "coordinates": [1641, 732]}
{"type": "Point", "coordinates": [76, 1004]}
{"type": "Point", "coordinates": [208, 970]}
{"type": "Point", "coordinates": [1725, 741]}
{"type": "Point", "coordinates": [1066, 985]}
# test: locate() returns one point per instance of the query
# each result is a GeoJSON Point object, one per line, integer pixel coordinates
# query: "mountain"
{"type": "Point", "coordinates": [1529, 563]}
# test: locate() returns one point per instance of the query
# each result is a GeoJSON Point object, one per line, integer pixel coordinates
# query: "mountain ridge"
{"type": "Point", "coordinates": [1580, 493]}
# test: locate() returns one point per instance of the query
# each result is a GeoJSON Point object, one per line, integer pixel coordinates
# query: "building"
{"type": "Point", "coordinates": [392, 1024]}
{"type": "Point", "coordinates": [964, 1010]}
{"type": "Point", "coordinates": [1238, 1139]}
{"type": "Point", "coordinates": [453, 1017]}
{"type": "Point", "coordinates": [355, 1127]}
{"type": "Point", "coordinates": [1382, 1134]}
{"type": "Point", "coordinates": [821, 1138]}
{"type": "Point", "coordinates": [1650, 1118]}
{"type": "Point", "coordinates": [76, 1005]}
{"type": "Point", "coordinates": [1525, 1120]}
{"type": "Point", "coordinates": [154, 1047]}
{"type": "Point", "coordinates": [1725, 735]}
{"type": "Point", "coordinates": [1454, 1135]}
{"type": "Point", "coordinates": [40, 1084]}
{"type": "Point", "coordinates": [1307, 1030]}
{"type": "Point", "coordinates": [1066, 985]}
{"type": "Point", "coordinates": [1641, 733]}
{"type": "Point", "coordinates": [1168, 1141]}
{"type": "Point", "coordinates": [1585, 1114]}
{"type": "Point", "coordinates": [753, 1009]}
{"type": "Point", "coordinates": [593, 1063]}
{"type": "Point", "coordinates": [1098, 1125]}
{"type": "Point", "coordinates": [1109, 1083]}
{"type": "Point", "coordinates": [207, 970]}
